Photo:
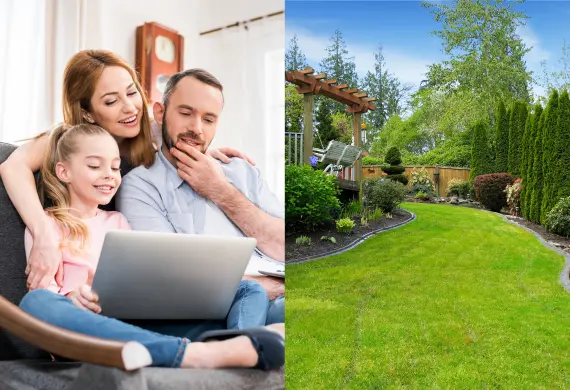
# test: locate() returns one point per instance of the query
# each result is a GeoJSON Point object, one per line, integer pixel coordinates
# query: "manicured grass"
{"type": "Point", "coordinates": [456, 299]}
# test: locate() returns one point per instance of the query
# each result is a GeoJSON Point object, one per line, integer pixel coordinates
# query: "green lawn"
{"type": "Point", "coordinates": [456, 299]}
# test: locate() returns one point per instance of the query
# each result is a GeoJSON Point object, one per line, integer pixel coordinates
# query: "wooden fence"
{"type": "Point", "coordinates": [445, 175]}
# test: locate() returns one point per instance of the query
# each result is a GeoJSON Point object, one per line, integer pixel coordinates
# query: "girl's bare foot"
{"type": "Point", "coordinates": [235, 352]}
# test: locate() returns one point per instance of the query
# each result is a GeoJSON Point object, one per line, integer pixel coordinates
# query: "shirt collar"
{"type": "Point", "coordinates": [171, 170]}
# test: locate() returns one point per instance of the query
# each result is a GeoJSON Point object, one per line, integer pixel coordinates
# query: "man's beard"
{"type": "Point", "coordinates": [170, 143]}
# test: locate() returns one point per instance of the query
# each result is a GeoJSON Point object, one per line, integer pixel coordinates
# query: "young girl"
{"type": "Point", "coordinates": [80, 173]}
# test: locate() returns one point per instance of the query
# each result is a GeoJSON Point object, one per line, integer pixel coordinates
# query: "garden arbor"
{"type": "Point", "coordinates": [356, 103]}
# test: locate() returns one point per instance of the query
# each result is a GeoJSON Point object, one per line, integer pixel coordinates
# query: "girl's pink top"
{"type": "Point", "coordinates": [79, 268]}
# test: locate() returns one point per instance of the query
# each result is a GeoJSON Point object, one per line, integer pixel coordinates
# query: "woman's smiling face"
{"type": "Point", "coordinates": [116, 104]}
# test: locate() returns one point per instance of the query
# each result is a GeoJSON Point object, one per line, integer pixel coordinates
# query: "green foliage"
{"type": "Point", "coordinates": [394, 170]}
{"type": "Point", "coordinates": [516, 132]}
{"type": "Point", "coordinates": [293, 110]}
{"type": "Point", "coordinates": [526, 156]}
{"type": "Point", "coordinates": [311, 197]}
{"type": "Point", "coordinates": [383, 194]}
{"type": "Point", "coordinates": [421, 195]}
{"type": "Point", "coordinates": [342, 125]}
{"type": "Point", "coordinates": [351, 209]}
{"type": "Point", "coordinates": [501, 139]}
{"type": "Point", "coordinates": [303, 240]}
{"type": "Point", "coordinates": [459, 188]}
{"type": "Point", "coordinates": [374, 214]}
{"type": "Point", "coordinates": [294, 57]}
{"type": "Point", "coordinates": [528, 185]}
{"type": "Point", "coordinates": [563, 143]}
{"type": "Point", "coordinates": [514, 197]}
{"type": "Point", "coordinates": [330, 239]}
{"type": "Point", "coordinates": [326, 131]}
{"type": "Point", "coordinates": [421, 177]}
{"type": "Point", "coordinates": [481, 159]}
{"type": "Point", "coordinates": [558, 219]}
{"type": "Point", "coordinates": [345, 225]}
{"type": "Point", "coordinates": [368, 160]}
{"type": "Point", "coordinates": [537, 183]}
{"type": "Point", "coordinates": [455, 152]}
{"type": "Point", "coordinates": [393, 156]}
{"type": "Point", "coordinates": [398, 178]}
{"type": "Point", "coordinates": [549, 152]}
{"type": "Point", "coordinates": [490, 190]}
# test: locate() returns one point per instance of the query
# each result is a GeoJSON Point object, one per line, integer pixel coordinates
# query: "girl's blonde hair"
{"type": "Point", "coordinates": [80, 78]}
{"type": "Point", "coordinates": [62, 144]}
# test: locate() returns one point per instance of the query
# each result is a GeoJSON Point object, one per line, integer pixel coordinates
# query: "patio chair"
{"type": "Point", "coordinates": [338, 156]}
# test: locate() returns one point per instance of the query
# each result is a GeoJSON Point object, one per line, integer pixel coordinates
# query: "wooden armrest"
{"type": "Point", "coordinates": [124, 355]}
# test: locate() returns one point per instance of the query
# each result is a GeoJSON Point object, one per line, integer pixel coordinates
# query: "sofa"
{"type": "Point", "coordinates": [25, 366]}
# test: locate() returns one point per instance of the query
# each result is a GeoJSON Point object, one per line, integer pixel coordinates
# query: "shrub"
{"type": "Point", "coordinates": [393, 156]}
{"type": "Point", "coordinates": [398, 178]}
{"type": "Point", "coordinates": [311, 197]}
{"type": "Point", "coordinates": [345, 225]}
{"type": "Point", "coordinates": [514, 197]}
{"type": "Point", "coordinates": [558, 219]}
{"type": "Point", "coordinates": [383, 194]}
{"type": "Point", "coordinates": [421, 196]}
{"type": "Point", "coordinates": [303, 240]}
{"type": "Point", "coordinates": [394, 170]}
{"type": "Point", "coordinates": [459, 188]}
{"type": "Point", "coordinates": [421, 177]}
{"type": "Point", "coordinates": [368, 160]}
{"type": "Point", "coordinates": [490, 190]}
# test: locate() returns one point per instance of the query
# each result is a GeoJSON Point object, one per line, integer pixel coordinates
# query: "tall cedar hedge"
{"type": "Point", "coordinates": [549, 152]}
{"type": "Point", "coordinates": [501, 139]}
{"type": "Point", "coordinates": [529, 174]}
{"type": "Point", "coordinates": [525, 157]}
{"type": "Point", "coordinates": [481, 159]}
{"type": "Point", "coordinates": [516, 131]}
{"type": "Point", "coordinates": [563, 143]}
{"type": "Point", "coordinates": [537, 180]}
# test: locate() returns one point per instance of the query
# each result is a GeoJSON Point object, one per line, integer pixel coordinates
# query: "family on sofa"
{"type": "Point", "coordinates": [172, 183]}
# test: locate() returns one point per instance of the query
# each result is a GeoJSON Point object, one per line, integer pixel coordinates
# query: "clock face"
{"type": "Point", "coordinates": [164, 49]}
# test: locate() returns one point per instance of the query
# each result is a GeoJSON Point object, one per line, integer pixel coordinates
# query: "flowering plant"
{"type": "Point", "coordinates": [314, 160]}
{"type": "Point", "coordinates": [514, 197]}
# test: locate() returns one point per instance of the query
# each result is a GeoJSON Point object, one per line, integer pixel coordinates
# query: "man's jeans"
{"type": "Point", "coordinates": [276, 313]}
{"type": "Point", "coordinates": [165, 340]}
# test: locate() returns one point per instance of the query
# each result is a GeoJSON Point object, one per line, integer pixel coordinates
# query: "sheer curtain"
{"type": "Point", "coordinates": [37, 38]}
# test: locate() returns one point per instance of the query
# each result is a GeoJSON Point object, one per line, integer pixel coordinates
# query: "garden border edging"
{"type": "Point", "coordinates": [565, 275]}
{"type": "Point", "coordinates": [354, 243]}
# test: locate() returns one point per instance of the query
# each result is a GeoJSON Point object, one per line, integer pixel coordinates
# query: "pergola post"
{"type": "Point", "coordinates": [309, 105]}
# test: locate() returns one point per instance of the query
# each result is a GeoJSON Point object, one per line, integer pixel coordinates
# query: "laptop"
{"type": "Point", "coordinates": [152, 276]}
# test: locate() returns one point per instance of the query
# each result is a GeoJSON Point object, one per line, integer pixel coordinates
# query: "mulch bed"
{"type": "Point", "coordinates": [559, 241]}
{"type": "Point", "coordinates": [321, 247]}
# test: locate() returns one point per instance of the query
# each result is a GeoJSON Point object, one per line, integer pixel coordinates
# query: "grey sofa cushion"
{"type": "Point", "coordinates": [12, 268]}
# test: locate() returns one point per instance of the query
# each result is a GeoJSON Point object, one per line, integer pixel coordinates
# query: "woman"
{"type": "Point", "coordinates": [113, 100]}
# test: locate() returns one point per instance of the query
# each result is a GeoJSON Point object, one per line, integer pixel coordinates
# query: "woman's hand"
{"type": "Point", "coordinates": [45, 261]}
{"type": "Point", "coordinates": [84, 298]}
{"type": "Point", "coordinates": [224, 154]}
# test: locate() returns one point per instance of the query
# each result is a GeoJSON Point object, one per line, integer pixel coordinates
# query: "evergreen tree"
{"type": "Point", "coordinates": [525, 158]}
{"type": "Point", "coordinates": [563, 144]}
{"type": "Point", "coordinates": [294, 57]}
{"type": "Point", "coordinates": [537, 178]}
{"type": "Point", "coordinates": [502, 139]}
{"type": "Point", "coordinates": [549, 152]}
{"type": "Point", "coordinates": [530, 180]}
{"type": "Point", "coordinates": [481, 159]}
{"type": "Point", "coordinates": [325, 130]}
{"type": "Point", "coordinates": [516, 131]}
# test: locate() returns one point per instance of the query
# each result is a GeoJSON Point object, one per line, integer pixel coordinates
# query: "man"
{"type": "Point", "coordinates": [185, 191]}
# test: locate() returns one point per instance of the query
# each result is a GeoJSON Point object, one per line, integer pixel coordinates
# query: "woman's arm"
{"type": "Point", "coordinates": [18, 178]}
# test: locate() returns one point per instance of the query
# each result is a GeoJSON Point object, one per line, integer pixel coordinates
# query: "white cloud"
{"type": "Point", "coordinates": [408, 68]}
{"type": "Point", "coordinates": [537, 52]}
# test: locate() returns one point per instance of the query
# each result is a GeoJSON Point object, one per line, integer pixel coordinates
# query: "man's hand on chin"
{"type": "Point", "coordinates": [275, 287]}
{"type": "Point", "coordinates": [201, 172]}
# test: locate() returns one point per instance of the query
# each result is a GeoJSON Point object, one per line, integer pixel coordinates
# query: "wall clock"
{"type": "Point", "coordinates": [159, 54]}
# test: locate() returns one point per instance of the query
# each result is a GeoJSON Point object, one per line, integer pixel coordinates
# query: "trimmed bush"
{"type": "Point", "coordinates": [481, 159]}
{"type": "Point", "coordinates": [549, 158]}
{"type": "Point", "coordinates": [394, 170]}
{"type": "Point", "coordinates": [516, 132]}
{"type": "Point", "coordinates": [490, 190]}
{"type": "Point", "coordinates": [383, 194]}
{"type": "Point", "coordinates": [393, 156]}
{"type": "Point", "coordinates": [501, 139]}
{"type": "Point", "coordinates": [311, 198]}
{"type": "Point", "coordinates": [398, 178]}
{"type": "Point", "coordinates": [558, 219]}
{"type": "Point", "coordinates": [459, 188]}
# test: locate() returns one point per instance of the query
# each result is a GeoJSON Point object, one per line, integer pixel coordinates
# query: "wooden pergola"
{"type": "Point", "coordinates": [356, 103]}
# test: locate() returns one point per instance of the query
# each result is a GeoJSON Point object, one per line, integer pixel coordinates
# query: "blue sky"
{"type": "Point", "coordinates": [403, 29]}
